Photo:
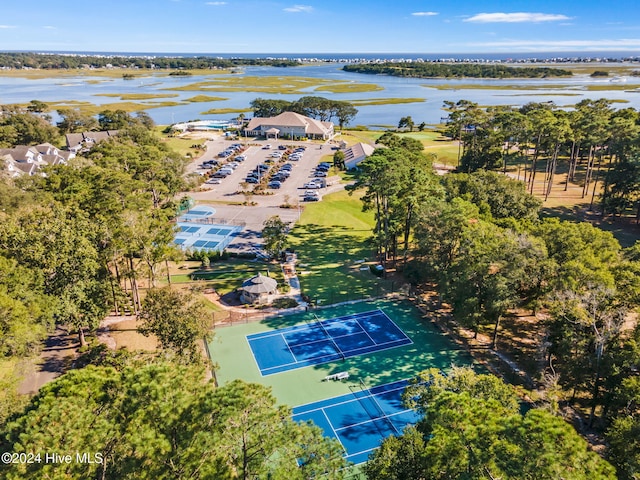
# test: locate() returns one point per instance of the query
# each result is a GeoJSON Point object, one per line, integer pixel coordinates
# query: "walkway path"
{"type": "Point", "coordinates": [56, 357]}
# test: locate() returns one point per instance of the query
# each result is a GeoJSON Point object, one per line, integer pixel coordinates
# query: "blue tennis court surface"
{"type": "Point", "coordinates": [362, 419]}
{"type": "Point", "coordinates": [325, 341]}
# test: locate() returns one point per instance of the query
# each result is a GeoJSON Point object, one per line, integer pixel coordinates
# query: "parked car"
{"type": "Point", "coordinates": [251, 180]}
{"type": "Point", "coordinates": [240, 158]}
{"type": "Point", "coordinates": [214, 181]}
{"type": "Point", "coordinates": [267, 146]}
{"type": "Point", "coordinates": [312, 185]}
{"type": "Point", "coordinates": [286, 166]}
{"type": "Point", "coordinates": [284, 173]}
{"type": "Point", "coordinates": [274, 184]}
{"type": "Point", "coordinates": [310, 198]}
{"type": "Point", "coordinates": [322, 168]}
{"type": "Point", "coordinates": [282, 147]}
{"type": "Point", "coordinates": [319, 173]}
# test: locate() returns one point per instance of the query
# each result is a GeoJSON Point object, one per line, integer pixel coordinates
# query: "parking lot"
{"type": "Point", "coordinates": [231, 196]}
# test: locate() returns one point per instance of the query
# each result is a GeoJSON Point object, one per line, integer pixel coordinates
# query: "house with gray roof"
{"type": "Point", "coordinates": [356, 154]}
{"type": "Point", "coordinates": [85, 141]}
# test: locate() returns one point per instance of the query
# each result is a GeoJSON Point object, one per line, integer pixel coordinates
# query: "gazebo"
{"type": "Point", "coordinates": [257, 289]}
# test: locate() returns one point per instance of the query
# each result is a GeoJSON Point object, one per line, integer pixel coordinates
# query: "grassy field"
{"type": "Point", "coordinates": [332, 243]}
{"type": "Point", "coordinates": [181, 145]}
{"type": "Point", "coordinates": [224, 275]}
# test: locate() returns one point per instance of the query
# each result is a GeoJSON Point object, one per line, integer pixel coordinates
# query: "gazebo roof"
{"type": "Point", "coordinates": [259, 284]}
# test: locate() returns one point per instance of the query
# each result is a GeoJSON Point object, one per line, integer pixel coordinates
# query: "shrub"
{"type": "Point", "coordinates": [284, 302]}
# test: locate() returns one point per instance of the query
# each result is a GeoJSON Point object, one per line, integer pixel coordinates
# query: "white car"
{"type": "Point", "coordinates": [312, 185]}
{"type": "Point", "coordinates": [267, 146]}
{"type": "Point", "coordinates": [214, 181]}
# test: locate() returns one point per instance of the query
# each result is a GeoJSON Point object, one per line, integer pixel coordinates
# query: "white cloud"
{"type": "Point", "coordinates": [518, 17]}
{"type": "Point", "coordinates": [49, 27]}
{"type": "Point", "coordinates": [299, 8]}
{"type": "Point", "coordinates": [424, 14]}
{"type": "Point", "coordinates": [7, 26]}
{"type": "Point", "coordinates": [216, 4]}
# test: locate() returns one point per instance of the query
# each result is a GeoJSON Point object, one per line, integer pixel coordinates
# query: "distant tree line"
{"type": "Point", "coordinates": [320, 108]}
{"type": "Point", "coordinates": [58, 61]}
{"type": "Point", "coordinates": [455, 70]}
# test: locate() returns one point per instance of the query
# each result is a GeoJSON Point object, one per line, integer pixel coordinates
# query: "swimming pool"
{"type": "Point", "coordinates": [197, 230]}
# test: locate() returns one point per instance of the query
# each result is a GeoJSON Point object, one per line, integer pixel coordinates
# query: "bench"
{"type": "Point", "coordinates": [337, 376]}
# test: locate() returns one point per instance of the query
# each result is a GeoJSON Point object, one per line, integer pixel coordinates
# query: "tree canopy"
{"type": "Point", "coordinates": [162, 421]}
{"type": "Point", "coordinates": [473, 429]}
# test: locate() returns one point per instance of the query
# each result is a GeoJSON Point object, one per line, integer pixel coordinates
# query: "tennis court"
{"type": "Point", "coordinates": [325, 341]}
{"type": "Point", "coordinates": [361, 419]}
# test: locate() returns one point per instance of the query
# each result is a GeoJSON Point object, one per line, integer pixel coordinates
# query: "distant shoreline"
{"type": "Point", "coordinates": [504, 57]}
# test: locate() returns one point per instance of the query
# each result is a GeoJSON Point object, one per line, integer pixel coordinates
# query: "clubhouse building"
{"type": "Point", "coordinates": [289, 125]}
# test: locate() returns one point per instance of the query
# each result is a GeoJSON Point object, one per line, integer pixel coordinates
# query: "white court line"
{"type": "Point", "coordinates": [367, 333]}
{"type": "Point", "coordinates": [335, 434]}
{"type": "Point", "coordinates": [346, 401]}
{"type": "Point", "coordinates": [372, 419]}
{"type": "Point", "coordinates": [290, 351]}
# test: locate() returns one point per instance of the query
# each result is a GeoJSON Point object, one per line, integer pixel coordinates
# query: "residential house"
{"type": "Point", "coordinates": [77, 142]}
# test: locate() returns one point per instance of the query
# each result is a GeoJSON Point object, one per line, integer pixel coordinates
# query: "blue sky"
{"type": "Point", "coordinates": [310, 26]}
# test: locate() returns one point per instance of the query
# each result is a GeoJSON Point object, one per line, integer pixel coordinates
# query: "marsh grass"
{"type": "Point", "coordinates": [137, 96]}
{"type": "Point", "coordinates": [385, 101]}
{"type": "Point", "coordinates": [350, 88]}
{"type": "Point", "coordinates": [267, 84]}
{"type": "Point", "coordinates": [204, 98]}
{"type": "Point", "coordinates": [224, 111]}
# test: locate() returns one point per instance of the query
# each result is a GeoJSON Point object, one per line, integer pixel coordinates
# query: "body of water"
{"type": "Point", "coordinates": [564, 92]}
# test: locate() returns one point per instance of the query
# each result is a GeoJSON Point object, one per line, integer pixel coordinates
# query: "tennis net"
{"type": "Point", "coordinates": [379, 414]}
{"type": "Point", "coordinates": [326, 332]}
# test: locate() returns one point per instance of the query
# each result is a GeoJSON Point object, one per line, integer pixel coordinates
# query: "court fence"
{"type": "Point", "coordinates": [228, 318]}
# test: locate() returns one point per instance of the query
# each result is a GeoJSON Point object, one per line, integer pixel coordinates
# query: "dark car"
{"type": "Point", "coordinates": [274, 184]}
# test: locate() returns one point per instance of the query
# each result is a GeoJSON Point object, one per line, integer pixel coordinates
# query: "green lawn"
{"type": "Point", "coordinates": [227, 275]}
{"type": "Point", "coordinates": [331, 240]}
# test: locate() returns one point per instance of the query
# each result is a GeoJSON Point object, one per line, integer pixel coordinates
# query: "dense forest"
{"type": "Point", "coordinates": [479, 239]}
{"type": "Point", "coordinates": [59, 61]}
{"type": "Point", "coordinates": [454, 70]}
{"type": "Point", "coordinates": [602, 141]}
